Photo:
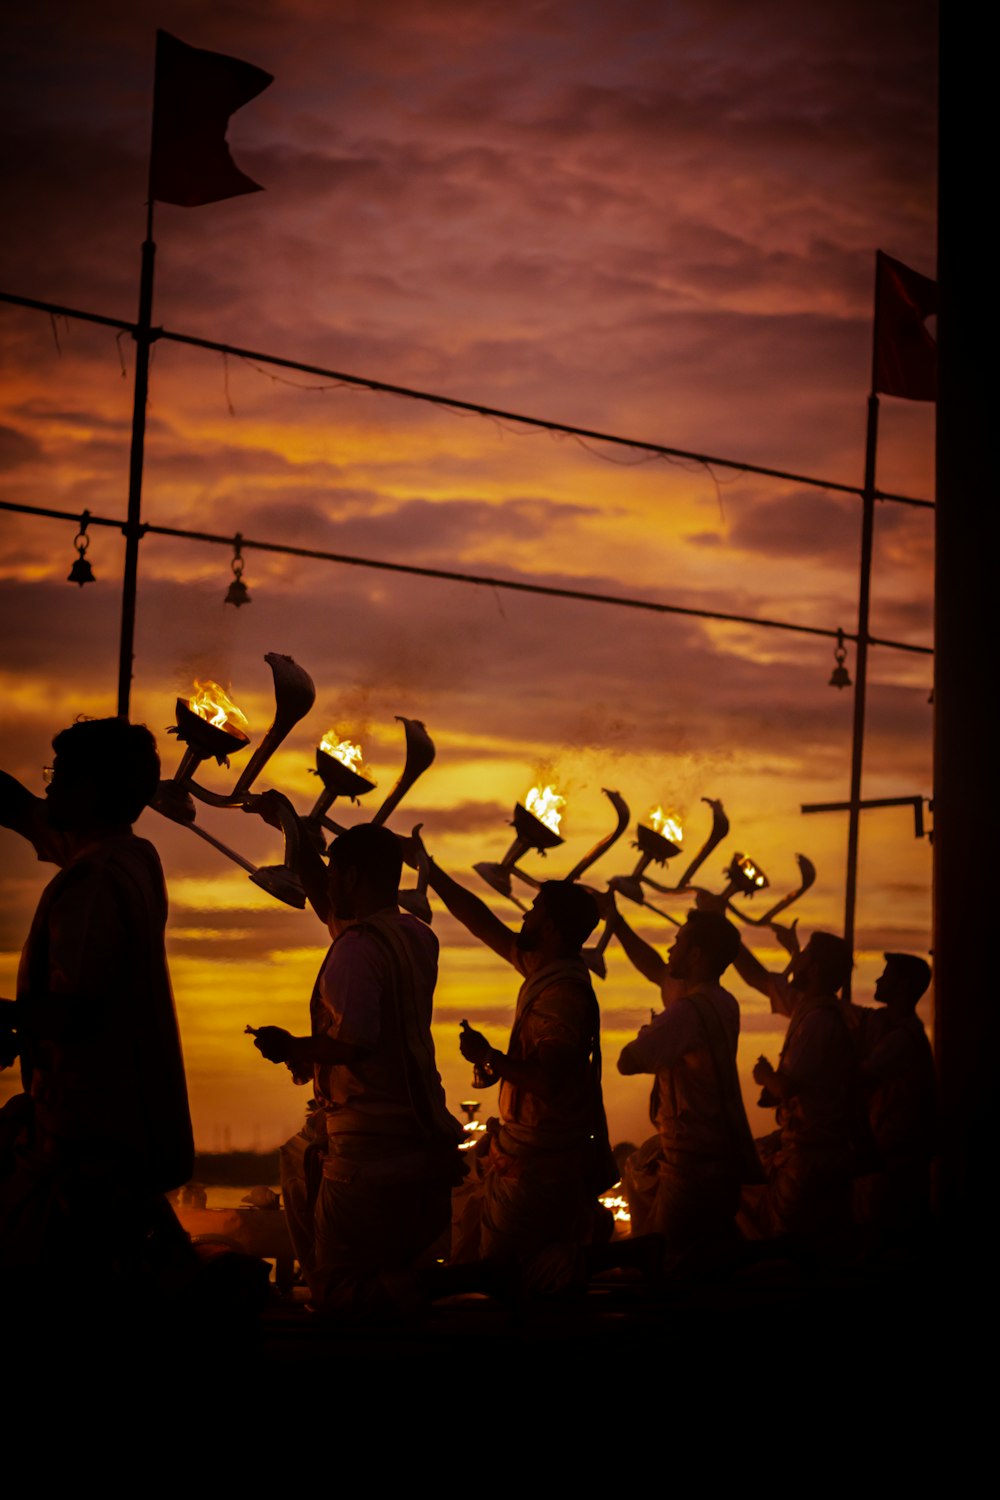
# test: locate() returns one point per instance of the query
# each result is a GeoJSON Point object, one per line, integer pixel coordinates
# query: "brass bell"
{"type": "Point", "coordinates": [840, 677]}
{"type": "Point", "coordinates": [237, 593]}
{"type": "Point", "coordinates": [81, 572]}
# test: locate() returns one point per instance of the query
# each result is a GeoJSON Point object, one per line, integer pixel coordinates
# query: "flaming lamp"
{"type": "Point", "coordinates": [536, 825]}
{"type": "Point", "coordinates": [339, 766]}
{"type": "Point", "coordinates": [657, 841]}
{"type": "Point", "coordinates": [745, 877]}
{"type": "Point", "coordinates": [208, 725]}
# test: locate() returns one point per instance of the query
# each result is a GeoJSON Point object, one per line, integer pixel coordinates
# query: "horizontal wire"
{"type": "Point", "coordinates": [585, 596]}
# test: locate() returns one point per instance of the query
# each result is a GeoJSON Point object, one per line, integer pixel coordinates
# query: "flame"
{"type": "Point", "coordinates": [750, 870]}
{"type": "Point", "coordinates": [349, 755]}
{"type": "Point", "coordinates": [473, 1129]}
{"type": "Point", "coordinates": [545, 806]}
{"type": "Point", "coordinates": [667, 824]}
{"type": "Point", "coordinates": [212, 703]}
{"type": "Point", "coordinates": [616, 1204]}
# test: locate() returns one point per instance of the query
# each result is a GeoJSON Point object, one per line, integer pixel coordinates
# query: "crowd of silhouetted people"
{"type": "Point", "coordinates": [384, 1210]}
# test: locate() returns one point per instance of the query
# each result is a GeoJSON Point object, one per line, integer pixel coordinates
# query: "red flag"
{"type": "Point", "coordinates": [904, 361]}
{"type": "Point", "coordinates": [194, 95]}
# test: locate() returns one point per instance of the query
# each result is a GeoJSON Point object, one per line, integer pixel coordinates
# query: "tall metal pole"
{"type": "Point", "coordinates": [861, 670]}
{"type": "Point", "coordinates": [133, 525]}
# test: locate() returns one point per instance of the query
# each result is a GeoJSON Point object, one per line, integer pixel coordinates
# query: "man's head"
{"type": "Point", "coordinates": [704, 947]}
{"type": "Point", "coordinates": [903, 980]}
{"type": "Point", "coordinates": [365, 865]}
{"type": "Point", "coordinates": [105, 772]}
{"type": "Point", "coordinates": [560, 920]}
{"type": "Point", "coordinates": [824, 965]}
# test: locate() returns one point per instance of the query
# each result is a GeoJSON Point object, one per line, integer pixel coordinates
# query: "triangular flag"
{"type": "Point", "coordinates": [194, 95]}
{"type": "Point", "coordinates": [905, 355]}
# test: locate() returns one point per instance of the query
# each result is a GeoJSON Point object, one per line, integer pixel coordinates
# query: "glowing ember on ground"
{"type": "Point", "coordinates": [545, 806]}
{"type": "Point", "coordinates": [213, 703]}
{"type": "Point", "coordinates": [349, 755]}
{"type": "Point", "coordinates": [668, 825]}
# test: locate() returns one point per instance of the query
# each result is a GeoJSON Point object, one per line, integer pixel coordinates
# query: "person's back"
{"type": "Point", "coordinates": [899, 1082]}
{"type": "Point", "coordinates": [820, 1067]}
{"type": "Point", "coordinates": [684, 1184]}
{"type": "Point", "coordinates": [557, 1010]}
{"type": "Point", "coordinates": [367, 1183]}
{"type": "Point", "coordinates": [104, 1122]}
{"type": "Point", "coordinates": [689, 1112]}
{"type": "Point", "coordinates": [101, 1058]}
{"type": "Point", "coordinates": [376, 990]}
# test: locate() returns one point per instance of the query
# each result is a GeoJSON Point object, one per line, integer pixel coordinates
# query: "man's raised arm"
{"type": "Point", "coordinates": [774, 986]}
{"type": "Point", "coordinates": [310, 867]}
{"type": "Point", "coordinates": [467, 908]}
{"type": "Point", "coordinates": [19, 810]}
{"type": "Point", "coordinates": [749, 968]}
{"type": "Point", "coordinates": [642, 954]}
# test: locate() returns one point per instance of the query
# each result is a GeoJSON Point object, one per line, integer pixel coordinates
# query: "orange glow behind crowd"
{"type": "Point", "coordinates": [654, 220]}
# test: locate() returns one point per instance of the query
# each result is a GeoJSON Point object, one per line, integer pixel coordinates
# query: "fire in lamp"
{"type": "Point", "coordinates": [536, 824]}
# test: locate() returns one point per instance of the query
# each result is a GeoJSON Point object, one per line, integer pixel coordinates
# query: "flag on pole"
{"type": "Point", "coordinates": [194, 95]}
{"type": "Point", "coordinates": [904, 359]}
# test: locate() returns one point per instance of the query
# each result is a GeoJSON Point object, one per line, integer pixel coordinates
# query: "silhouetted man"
{"type": "Point", "coordinates": [102, 1129]}
{"type": "Point", "coordinates": [381, 1147]}
{"type": "Point", "coordinates": [815, 1090]}
{"type": "Point", "coordinates": [547, 1156]}
{"type": "Point", "coordinates": [899, 1087]}
{"type": "Point", "coordinates": [684, 1184]}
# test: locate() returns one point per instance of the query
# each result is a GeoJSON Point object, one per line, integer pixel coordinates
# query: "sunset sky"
{"type": "Point", "coordinates": [652, 218]}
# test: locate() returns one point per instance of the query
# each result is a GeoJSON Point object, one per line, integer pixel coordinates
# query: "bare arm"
{"type": "Point", "coordinates": [545, 1073]}
{"type": "Point", "coordinates": [276, 810]}
{"type": "Point", "coordinates": [642, 954]}
{"type": "Point", "coordinates": [774, 986]}
{"type": "Point", "coordinates": [312, 871]}
{"type": "Point", "coordinates": [302, 1052]}
{"type": "Point", "coordinates": [18, 808]}
{"type": "Point", "coordinates": [472, 912]}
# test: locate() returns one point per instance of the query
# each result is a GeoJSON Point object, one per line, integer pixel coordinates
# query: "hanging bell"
{"type": "Point", "coordinates": [237, 592]}
{"type": "Point", "coordinates": [840, 677]}
{"type": "Point", "coordinates": [81, 572]}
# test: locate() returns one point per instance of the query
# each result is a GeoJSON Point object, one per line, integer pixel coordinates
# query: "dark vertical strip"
{"type": "Point", "coordinates": [967, 1033]}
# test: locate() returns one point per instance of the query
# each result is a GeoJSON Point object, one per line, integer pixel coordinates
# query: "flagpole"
{"type": "Point", "coordinates": [133, 526]}
{"type": "Point", "coordinates": [861, 658]}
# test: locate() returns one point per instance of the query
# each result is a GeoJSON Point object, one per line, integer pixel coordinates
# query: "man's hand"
{"type": "Point", "coordinates": [788, 937]}
{"type": "Point", "coordinates": [273, 1042]}
{"type": "Point", "coordinates": [763, 1072]}
{"type": "Point", "coordinates": [269, 805]}
{"type": "Point", "coordinates": [413, 848]}
{"type": "Point", "coordinates": [605, 901]}
{"type": "Point", "coordinates": [473, 1045]}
